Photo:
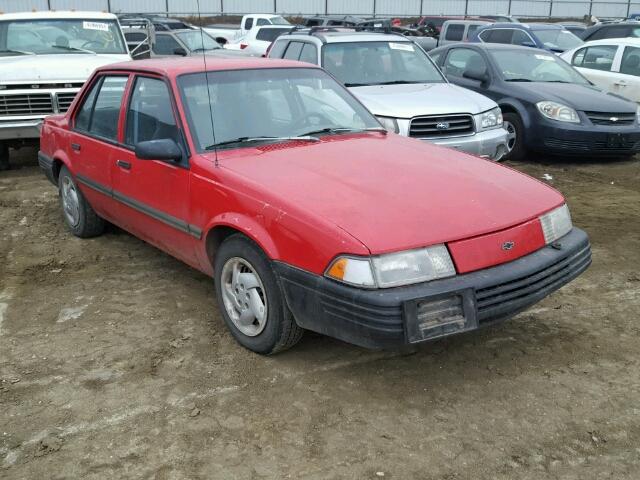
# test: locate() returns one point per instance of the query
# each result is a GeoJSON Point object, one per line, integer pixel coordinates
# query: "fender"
{"type": "Point", "coordinates": [519, 107]}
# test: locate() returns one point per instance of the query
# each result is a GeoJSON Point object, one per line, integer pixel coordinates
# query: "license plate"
{"type": "Point", "coordinates": [616, 140]}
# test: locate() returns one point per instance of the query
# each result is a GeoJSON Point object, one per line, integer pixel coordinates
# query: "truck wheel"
{"type": "Point", "coordinates": [250, 299]}
{"type": "Point", "coordinates": [81, 219]}
{"type": "Point", "coordinates": [4, 156]}
{"type": "Point", "coordinates": [515, 138]}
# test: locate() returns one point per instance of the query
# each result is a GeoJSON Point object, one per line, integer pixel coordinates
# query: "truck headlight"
{"type": "Point", "coordinates": [558, 111]}
{"type": "Point", "coordinates": [394, 269]}
{"type": "Point", "coordinates": [556, 224]}
{"type": "Point", "coordinates": [490, 119]}
{"type": "Point", "coordinates": [391, 124]}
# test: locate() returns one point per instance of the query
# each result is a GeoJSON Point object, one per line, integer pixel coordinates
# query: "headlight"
{"type": "Point", "coordinates": [638, 114]}
{"type": "Point", "coordinates": [556, 224]}
{"type": "Point", "coordinates": [391, 124]}
{"type": "Point", "coordinates": [394, 269]}
{"type": "Point", "coordinates": [558, 111]}
{"type": "Point", "coordinates": [490, 119]}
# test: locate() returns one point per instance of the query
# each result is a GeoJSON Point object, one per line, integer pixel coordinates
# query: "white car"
{"type": "Point", "coordinates": [257, 40]}
{"type": "Point", "coordinates": [612, 64]}
{"type": "Point", "coordinates": [226, 33]}
{"type": "Point", "coordinates": [45, 57]}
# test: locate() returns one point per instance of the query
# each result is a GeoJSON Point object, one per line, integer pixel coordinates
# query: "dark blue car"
{"type": "Point", "coordinates": [554, 38]}
{"type": "Point", "coordinates": [547, 105]}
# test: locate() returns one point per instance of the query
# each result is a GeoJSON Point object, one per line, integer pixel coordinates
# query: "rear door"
{"type": "Point", "coordinates": [154, 194]}
{"type": "Point", "coordinates": [597, 62]}
{"type": "Point", "coordinates": [629, 67]}
{"type": "Point", "coordinates": [92, 138]}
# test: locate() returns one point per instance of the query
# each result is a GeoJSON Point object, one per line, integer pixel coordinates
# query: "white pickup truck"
{"type": "Point", "coordinates": [225, 33]}
{"type": "Point", "coordinates": [45, 57]}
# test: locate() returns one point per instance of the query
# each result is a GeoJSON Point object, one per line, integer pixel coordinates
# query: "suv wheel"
{"type": "Point", "coordinates": [250, 299]}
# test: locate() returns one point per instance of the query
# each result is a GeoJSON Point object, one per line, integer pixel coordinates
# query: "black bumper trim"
{"type": "Point", "coordinates": [379, 319]}
{"type": "Point", "coordinates": [48, 166]}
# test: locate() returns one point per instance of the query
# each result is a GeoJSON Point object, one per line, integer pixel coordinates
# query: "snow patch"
{"type": "Point", "coordinates": [71, 313]}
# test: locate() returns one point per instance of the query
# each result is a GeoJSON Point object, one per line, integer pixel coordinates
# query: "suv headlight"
{"type": "Point", "coordinates": [556, 224]}
{"type": "Point", "coordinates": [391, 124]}
{"type": "Point", "coordinates": [393, 269]}
{"type": "Point", "coordinates": [490, 119]}
{"type": "Point", "coordinates": [558, 111]}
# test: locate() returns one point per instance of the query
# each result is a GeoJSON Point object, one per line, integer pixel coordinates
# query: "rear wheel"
{"type": "Point", "coordinates": [4, 156]}
{"type": "Point", "coordinates": [515, 136]}
{"type": "Point", "coordinates": [250, 299]}
{"type": "Point", "coordinates": [80, 218]}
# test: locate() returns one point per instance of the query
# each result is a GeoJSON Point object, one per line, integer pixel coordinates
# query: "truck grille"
{"type": "Point", "coordinates": [441, 126]}
{"type": "Point", "coordinates": [600, 118]}
{"type": "Point", "coordinates": [65, 100]}
{"type": "Point", "coordinates": [27, 104]}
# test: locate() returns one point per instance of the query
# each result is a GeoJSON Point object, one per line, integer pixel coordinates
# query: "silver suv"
{"type": "Point", "coordinates": [397, 81]}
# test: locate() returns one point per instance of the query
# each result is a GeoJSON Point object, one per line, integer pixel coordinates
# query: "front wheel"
{"type": "Point", "coordinates": [80, 218]}
{"type": "Point", "coordinates": [250, 299]}
{"type": "Point", "coordinates": [515, 136]}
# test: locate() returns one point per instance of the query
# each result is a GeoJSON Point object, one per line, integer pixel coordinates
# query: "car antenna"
{"type": "Point", "coordinates": [206, 76]}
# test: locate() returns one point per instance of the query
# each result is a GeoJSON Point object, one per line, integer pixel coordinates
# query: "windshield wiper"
{"type": "Point", "coordinates": [556, 81]}
{"type": "Point", "coordinates": [241, 140]}
{"type": "Point", "coordinates": [334, 130]}
{"type": "Point", "coordinates": [399, 82]}
{"type": "Point", "coordinates": [519, 80]}
{"type": "Point", "coordinates": [21, 52]}
{"type": "Point", "coordinates": [357, 84]}
{"type": "Point", "coordinates": [73, 49]}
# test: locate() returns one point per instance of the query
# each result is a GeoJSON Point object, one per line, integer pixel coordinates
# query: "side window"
{"type": "Point", "coordinates": [262, 21]}
{"type": "Point", "coordinates": [150, 115]}
{"type": "Point", "coordinates": [460, 60]}
{"type": "Point", "coordinates": [293, 51]}
{"type": "Point", "coordinates": [471, 29]}
{"type": "Point", "coordinates": [635, 32]}
{"type": "Point", "coordinates": [83, 117]}
{"type": "Point", "coordinates": [248, 23]}
{"type": "Point", "coordinates": [631, 61]}
{"type": "Point", "coordinates": [521, 38]}
{"type": "Point", "coordinates": [278, 49]}
{"type": "Point", "coordinates": [454, 32]}
{"type": "Point", "coordinates": [598, 57]}
{"type": "Point", "coordinates": [435, 57]}
{"type": "Point", "coordinates": [499, 35]}
{"type": "Point", "coordinates": [618, 31]}
{"type": "Point", "coordinates": [106, 110]}
{"type": "Point", "coordinates": [309, 54]}
{"type": "Point", "coordinates": [165, 45]}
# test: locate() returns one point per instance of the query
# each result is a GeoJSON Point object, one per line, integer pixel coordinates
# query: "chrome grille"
{"type": "Point", "coordinates": [65, 100]}
{"type": "Point", "coordinates": [26, 104]}
{"type": "Point", "coordinates": [441, 126]}
{"type": "Point", "coordinates": [600, 118]}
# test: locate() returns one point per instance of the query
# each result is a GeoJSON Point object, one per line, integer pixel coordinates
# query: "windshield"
{"type": "Point", "coordinates": [379, 63]}
{"type": "Point", "coordinates": [525, 66]}
{"type": "Point", "coordinates": [22, 37]}
{"type": "Point", "coordinates": [278, 21]}
{"type": "Point", "coordinates": [198, 40]}
{"type": "Point", "coordinates": [279, 102]}
{"type": "Point", "coordinates": [558, 39]}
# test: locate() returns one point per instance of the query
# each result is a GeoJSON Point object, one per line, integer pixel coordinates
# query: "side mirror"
{"type": "Point", "coordinates": [476, 74]}
{"type": "Point", "coordinates": [163, 149]}
{"type": "Point", "coordinates": [180, 51]}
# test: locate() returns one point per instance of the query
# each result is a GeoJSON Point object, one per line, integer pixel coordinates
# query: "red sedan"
{"type": "Point", "coordinates": [272, 178]}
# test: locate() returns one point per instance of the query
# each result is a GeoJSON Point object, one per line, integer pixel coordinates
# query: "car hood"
{"type": "Point", "coordinates": [68, 67]}
{"type": "Point", "coordinates": [580, 97]}
{"type": "Point", "coordinates": [411, 100]}
{"type": "Point", "coordinates": [390, 192]}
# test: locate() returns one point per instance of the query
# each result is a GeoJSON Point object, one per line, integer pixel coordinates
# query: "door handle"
{"type": "Point", "coordinates": [75, 146]}
{"type": "Point", "coordinates": [123, 164]}
{"type": "Point", "coordinates": [621, 83]}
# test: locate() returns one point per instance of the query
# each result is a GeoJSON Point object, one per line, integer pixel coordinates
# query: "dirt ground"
{"type": "Point", "coordinates": [114, 363]}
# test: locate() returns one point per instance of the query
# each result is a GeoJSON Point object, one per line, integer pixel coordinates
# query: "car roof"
{"type": "Point", "coordinates": [609, 41]}
{"type": "Point", "coordinates": [490, 47]}
{"type": "Point", "coordinates": [48, 15]}
{"type": "Point", "coordinates": [526, 26]}
{"type": "Point", "coordinates": [326, 36]}
{"type": "Point", "coordinates": [174, 66]}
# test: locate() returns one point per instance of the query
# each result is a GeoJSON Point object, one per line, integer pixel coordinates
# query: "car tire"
{"type": "Point", "coordinates": [4, 156]}
{"type": "Point", "coordinates": [78, 215]}
{"type": "Point", "coordinates": [251, 300]}
{"type": "Point", "coordinates": [515, 139]}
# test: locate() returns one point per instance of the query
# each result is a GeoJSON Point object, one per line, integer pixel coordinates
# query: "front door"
{"type": "Point", "coordinates": [154, 194]}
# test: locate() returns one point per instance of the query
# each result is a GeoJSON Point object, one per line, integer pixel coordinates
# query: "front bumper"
{"type": "Point", "coordinates": [20, 129]}
{"type": "Point", "coordinates": [490, 144]}
{"type": "Point", "coordinates": [583, 140]}
{"type": "Point", "coordinates": [385, 318]}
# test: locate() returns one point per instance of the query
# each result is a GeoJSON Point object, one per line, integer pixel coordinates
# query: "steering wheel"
{"type": "Point", "coordinates": [321, 119]}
